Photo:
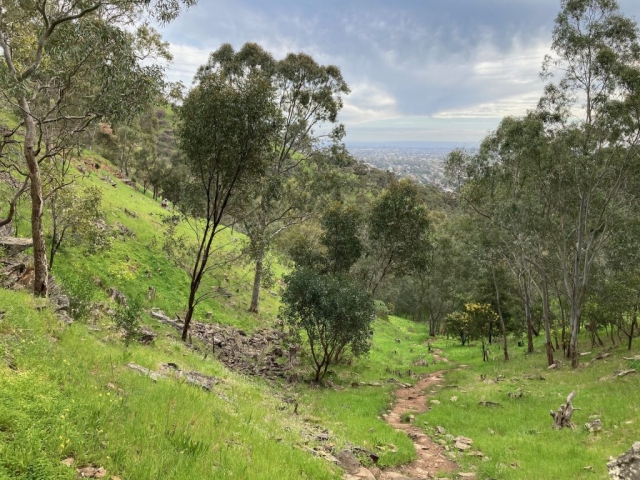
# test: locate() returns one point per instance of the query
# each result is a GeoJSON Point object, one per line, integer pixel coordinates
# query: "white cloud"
{"type": "Point", "coordinates": [511, 106]}
{"type": "Point", "coordinates": [366, 103]}
{"type": "Point", "coordinates": [186, 60]}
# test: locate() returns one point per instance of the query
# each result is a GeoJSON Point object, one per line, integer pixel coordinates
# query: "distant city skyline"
{"type": "Point", "coordinates": [419, 70]}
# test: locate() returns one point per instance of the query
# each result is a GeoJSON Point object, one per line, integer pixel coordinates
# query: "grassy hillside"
{"type": "Point", "coordinates": [135, 263]}
{"type": "Point", "coordinates": [67, 393]}
{"type": "Point", "coordinates": [517, 437]}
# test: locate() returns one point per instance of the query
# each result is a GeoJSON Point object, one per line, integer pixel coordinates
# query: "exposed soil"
{"type": "Point", "coordinates": [431, 458]}
{"type": "Point", "coordinates": [437, 356]}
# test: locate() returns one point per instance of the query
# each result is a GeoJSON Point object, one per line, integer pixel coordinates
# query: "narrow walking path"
{"type": "Point", "coordinates": [431, 458]}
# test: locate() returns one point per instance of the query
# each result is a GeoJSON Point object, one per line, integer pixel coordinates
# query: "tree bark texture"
{"type": "Point", "coordinates": [527, 313]}
{"type": "Point", "coordinates": [502, 327]}
{"type": "Point", "coordinates": [562, 418]}
{"type": "Point", "coordinates": [546, 319]}
{"type": "Point", "coordinates": [257, 280]}
{"type": "Point", "coordinates": [41, 269]}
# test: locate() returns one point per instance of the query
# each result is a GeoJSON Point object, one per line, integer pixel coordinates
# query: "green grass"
{"type": "Point", "coordinates": [129, 262]}
{"type": "Point", "coordinates": [355, 412]}
{"type": "Point", "coordinates": [57, 405]}
{"type": "Point", "coordinates": [517, 437]}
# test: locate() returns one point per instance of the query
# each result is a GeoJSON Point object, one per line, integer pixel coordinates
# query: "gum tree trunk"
{"type": "Point", "coordinates": [546, 319]}
{"type": "Point", "coordinates": [502, 327]}
{"type": "Point", "coordinates": [257, 279]}
{"type": "Point", "coordinates": [41, 269]}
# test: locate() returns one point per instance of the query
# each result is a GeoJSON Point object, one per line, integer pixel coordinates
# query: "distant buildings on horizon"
{"type": "Point", "coordinates": [421, 161]}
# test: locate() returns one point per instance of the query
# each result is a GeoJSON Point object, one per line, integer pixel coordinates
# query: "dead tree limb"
{"type": "Point", "coordinates": [562, 418]}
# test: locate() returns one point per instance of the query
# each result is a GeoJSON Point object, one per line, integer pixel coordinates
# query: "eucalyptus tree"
{"type": "Point", "coordinates": [65, 64]}
{"type": "Point", "coordinates": [227, 124]}
{"type": "Point", "coordinates": [570, 161]}
{"type": "Point", "coordinates": [398, 234]}
{"type": "Point", "coordinates": [309, 95]}
{"type": "Point", "coordinates": [505, 183]}
{"type": "Point", "coordinates": [594, 122]}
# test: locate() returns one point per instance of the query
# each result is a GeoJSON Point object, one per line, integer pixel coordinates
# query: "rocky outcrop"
{"type": "Point", "coordinates": [262, 353]}
{"type": "Point", "coordinates": [7, 230]}
{"type": "Point", "coordinates": [627, 465]}
{"type": "Point", "coordinates": [13, 246]}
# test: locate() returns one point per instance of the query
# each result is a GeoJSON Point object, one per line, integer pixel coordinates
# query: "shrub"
{"type": "Point", "coordinates": [382, 311]}
{"type": "Point", "coordinates": [335, 313]}
{"type": "Point", "coordinates": [81, 290]}
{"type": "Point", "coordinates": [127, 318]}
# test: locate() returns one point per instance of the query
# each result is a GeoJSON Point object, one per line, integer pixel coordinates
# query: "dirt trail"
{"type": "Point", "coordinates": [431, 459]}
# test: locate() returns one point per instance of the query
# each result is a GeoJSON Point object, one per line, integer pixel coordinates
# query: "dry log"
{"type": "Point", "coordinates": [600, 356]}
{"type": "Point", "coordinates": [626, 372]}
{"type": "Point", "coordinates": [562, 418]}
{"type": "Point", "coordinates": [162, 318]}
{"type": "Point", "coordinates": [145, 371]}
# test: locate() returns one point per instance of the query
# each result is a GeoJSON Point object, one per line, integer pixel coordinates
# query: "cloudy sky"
{"type": "Point", "coordinates": [419, 70]}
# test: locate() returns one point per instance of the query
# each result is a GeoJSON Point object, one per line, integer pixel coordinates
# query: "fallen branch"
{"type": "Point", "coordinates": [162, 318]}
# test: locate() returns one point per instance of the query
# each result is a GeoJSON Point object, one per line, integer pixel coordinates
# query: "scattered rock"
{"type": "Point", "coordinates": [489, 404]}
{"type": "Point", "coordinates": [259, 354]}
{"type": "Point", "coordinates": [627, 465]}
{"type": "Point", "coordinates": [594, 426]}
{"type": "Point", "coordinates": [67, 462]}
{"type": "Point", "coordinates": [462, 446]}
{"type": "Point", "coordinates": [348, 461]}
{"type": "Point", "coordinates": [440, 431]}
{"type": "Point", "coordinates": [517, 394]}
{"type": "Point", "coordinates": [62, 303]}
{"type": "Point", "coordinates": [434, 402]}
{"type": "Point", "coordinates": [91, 472]}
{"type": "Point", "coordinates": [454, 399]}
{"type": "Point", "coordinates": [395, 476]}
{"type": "Point", "coordinates": [145, 371]}
{"type": "Point", "coordinates": [365, 473]}
{"type": "Point", "coordinates": [465, 440]}
{"type": "Point", "coordinates": [147, 336]}
{"type": "Point", "coordinates": [118, 296]}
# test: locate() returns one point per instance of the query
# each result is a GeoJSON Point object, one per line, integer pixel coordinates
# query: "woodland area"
{"type": "Point", "coordinates": [235, 207]}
